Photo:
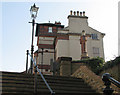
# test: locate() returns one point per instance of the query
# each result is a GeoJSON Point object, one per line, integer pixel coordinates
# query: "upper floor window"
{"type": "Point", "coordinates": [50, 29]}
{"type": "Point", "coordinates": [94, 36]}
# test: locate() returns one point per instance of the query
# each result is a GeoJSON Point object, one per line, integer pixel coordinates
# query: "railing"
{"type": "Point", "coordinates": [107, 79]}
{"type": "Point", "coordinates": [37, 70]}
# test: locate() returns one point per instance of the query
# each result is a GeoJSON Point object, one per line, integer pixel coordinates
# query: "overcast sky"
{"type": "Point", "coordinates": [16, 31]}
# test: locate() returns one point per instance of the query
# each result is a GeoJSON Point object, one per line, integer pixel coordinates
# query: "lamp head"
{"type": "Point", "coordinates": [34, 11]}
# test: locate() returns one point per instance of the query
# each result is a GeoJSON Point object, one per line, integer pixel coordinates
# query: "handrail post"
{"type": "Point", "coordinates": [107, 90]}
{"type": "Point", "coordinates": [27, 61]}
{"type": "Point", "coordinates": [35, 80]}
{"type": "Point", "coordinates": [42, 61]}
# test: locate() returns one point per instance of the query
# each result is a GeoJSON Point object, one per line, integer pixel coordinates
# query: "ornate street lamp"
{"type": "Point", "coordinates": [33, 11]}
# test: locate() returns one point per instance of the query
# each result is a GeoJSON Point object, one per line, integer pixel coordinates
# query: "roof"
{"type": "Point", "coordinates": [77, 16]}
{"type": "Point", "coordinates": [46, 24]}
{"type": "Point", "coordinates": [50, 24]}
{"type": "Point", "coordinates": [96, 30]}
{"type": "Point", "coordinates": [65, 29]}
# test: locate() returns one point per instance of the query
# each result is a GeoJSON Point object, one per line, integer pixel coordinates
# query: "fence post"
{"type": "Point", "coordinates": [107, 90]}
{"type": "Point", "coordinates": [27, 61]}
{"type": "Point", "coordinates": [35, 80]}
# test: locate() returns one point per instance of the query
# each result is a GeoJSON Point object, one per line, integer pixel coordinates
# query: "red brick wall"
{"type": "Point", "coordinates": [44, 29]}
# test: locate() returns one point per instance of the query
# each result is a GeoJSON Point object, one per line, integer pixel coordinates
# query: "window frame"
{"type": "Point", "coordinates": [50, 30]}
{"type": "Point", "coordinates": [94, 36]}
{"type": "Point", "coordinates": [96, 51]}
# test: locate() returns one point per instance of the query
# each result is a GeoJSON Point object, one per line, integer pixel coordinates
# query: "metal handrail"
{"type": "Point", "coordinates": [52, 92]}
{"type": "Point", "coordinates": [108, 76]}
{"type": "Point", "coordinates": [107, 79]}
{"type": "Point", "coordinates": [115, 82]}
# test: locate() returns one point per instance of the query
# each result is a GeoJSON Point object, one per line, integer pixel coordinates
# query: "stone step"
{"type": "Point", "coordinates": [50, 82]}
{"type": "Point", "coordinates": [8, 84]}
{"type": "Point", "coordinates": [45, 87]}
{"type": "Point", "coordinates": [26, 80]}
{"type": "Point", "coordinates": [32, 79]}
{"type": "Point", "coordinates": [30, 75]}
{"type": "Point", "coordinates": [14, 75]}
{"type": "Point", "coordinates": [25, 90]}
{"type": "Point", "coordinates": [42, 93]}
{"type": "Point", "coordinates": [23, 84]}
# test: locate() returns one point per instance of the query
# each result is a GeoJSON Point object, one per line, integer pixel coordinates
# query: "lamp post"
{"type": "Point", "coordinates": [33, 11]}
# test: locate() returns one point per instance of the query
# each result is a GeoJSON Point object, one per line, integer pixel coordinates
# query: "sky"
{"type": "Point", "coordinates": [16, 32]}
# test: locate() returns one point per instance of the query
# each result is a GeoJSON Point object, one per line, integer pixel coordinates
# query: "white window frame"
{"type": "Point", "coordinates": [50, 29]}
{"type": "Point", "coordinates": [94, 36]}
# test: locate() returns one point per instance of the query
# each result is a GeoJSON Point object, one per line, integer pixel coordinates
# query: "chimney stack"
{"type": "Point", "coordinates": [58, 23]}
{"type": "Point", "coordinates": [83, 13]}
{"type": "Point", "coordinates": [71, 12]}
{"type": "Point", "coordinates": [77, 13]}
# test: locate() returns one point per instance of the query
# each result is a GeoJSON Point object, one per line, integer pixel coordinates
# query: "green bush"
{"type": "Point", "coordinates": [110, 64]}
{"type": "Point", "coordinates": [95, 64]}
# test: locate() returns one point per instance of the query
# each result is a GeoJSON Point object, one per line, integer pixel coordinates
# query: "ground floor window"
{"type": "Point", "coordinates": [96, 51]}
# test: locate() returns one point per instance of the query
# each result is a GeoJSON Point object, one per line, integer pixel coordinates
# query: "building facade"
{"type": "Point", "coordinates": [56, 41]}
{"type": "Point", "coordinates": [71, 47]}
{"type": "Point", "coordinates": [46, 34]}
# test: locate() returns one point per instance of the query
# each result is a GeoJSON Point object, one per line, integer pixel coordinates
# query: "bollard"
{"type": "Point", "coordinates": [27, 61]}
{"type": "Point", "coordinates": [35, 81]}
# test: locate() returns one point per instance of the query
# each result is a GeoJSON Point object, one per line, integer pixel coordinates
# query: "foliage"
{"type": "Point", "coordinates": [110, 64]}
{"type": "Point", "coordinates": [95, 64]}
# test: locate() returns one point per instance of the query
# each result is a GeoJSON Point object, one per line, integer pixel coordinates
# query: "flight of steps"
{"type": "Point", "coordinates": [23, 84]}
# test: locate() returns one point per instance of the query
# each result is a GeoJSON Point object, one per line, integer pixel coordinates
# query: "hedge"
{"type": "Point", "coordinates": [97, 65]}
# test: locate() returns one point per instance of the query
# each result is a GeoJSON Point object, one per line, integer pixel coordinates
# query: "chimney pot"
{"type": "Point", "coordinates": [83, 13]}
{"type": "Point", "coordinates": [71, 12]}
{"type": "Point", "coordinates": [74, 12]}
{"type": "Point", "coordinates": [77, 13]}
{"type": "Point", "coordinates": [58, 23]}
{"type": "Point", "coordinates": [80, 13]}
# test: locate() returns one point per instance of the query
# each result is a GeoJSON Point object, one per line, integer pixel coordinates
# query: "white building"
{"type": "Point", "coordinates": [70, 46]}
{"type": "Point", "coordinates": [57, 41]}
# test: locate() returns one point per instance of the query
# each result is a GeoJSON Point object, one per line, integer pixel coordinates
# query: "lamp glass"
{"type": "Point", "coordinates": [33, 11]}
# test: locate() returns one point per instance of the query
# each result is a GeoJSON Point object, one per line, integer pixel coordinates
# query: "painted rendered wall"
{"type": "Point", "coordinates": [77, 24]}
{"type": "Point", "coordinates": [62, 48]}
{"type": "Point", "coordinates": [72, 47]}
{"type": "Point", "coordinates": [46, 57]}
